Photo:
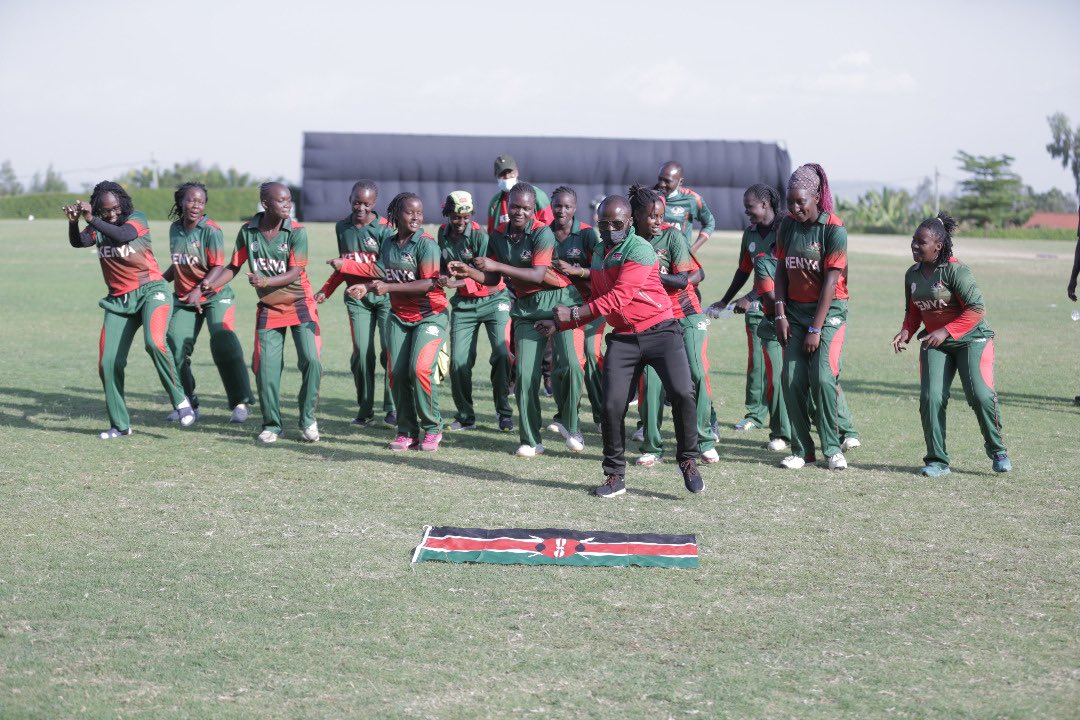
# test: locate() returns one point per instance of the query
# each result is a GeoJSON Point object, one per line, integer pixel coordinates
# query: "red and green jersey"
{"type": "Point", "coordinates": [685, 207]}
{"type": "Point", "coordinates": [673, 256]}
{"type": "Point", "coordinates": [415, 258]}
{"type": "Point", "coordinates": [764, 278]}
{"type": "Point", "coordinates": [535, 247]}
{"type": "Point", "coordinates": [625, 286]}
{"type": "Point", "coordinates": [194, 253]}
{"type": "Point", "coordinates": [577, 248]}
{"type": "Point", "coordinates": [129, 266]}
{"type": "Point", "coordinates": [946, 298]}
{"type": "Point", "coordinates": [278, 306]}
{"type": "Point", "coordinates": [755, 242]}
{"type": "Point", "coordinates": [499, 209]}
{"type": "Point", "coordinates": [357, 247]}
{"type": "Point", "coordinates": [807, 251]}
{"type": "Point", "coordinates": [466, 248]}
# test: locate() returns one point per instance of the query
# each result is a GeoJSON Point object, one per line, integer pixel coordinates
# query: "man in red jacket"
{"type": "Point", "coordinates": [626, 290]}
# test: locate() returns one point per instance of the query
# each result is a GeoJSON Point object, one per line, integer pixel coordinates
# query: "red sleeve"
{"type": "Point", "coordinates": [239, 256]}
{"type": "Point", "coordinates": [332, 282]}
{"type": "Point", "coordinates": [912, 318]}
{"type": "Point", "coordinates": [545, 216]}
{"type": "Point", "coordinates": [140, 229]}
{"type": "Point", "coordinates": [967, 319]}
{"type": "Point", "coordinates": [365, 267]}
{"type": "Point", "coordinates": [631, 277]}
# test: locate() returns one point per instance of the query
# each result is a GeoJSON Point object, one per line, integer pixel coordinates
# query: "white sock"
{"type": "Point", "coordinates": [185, 404]}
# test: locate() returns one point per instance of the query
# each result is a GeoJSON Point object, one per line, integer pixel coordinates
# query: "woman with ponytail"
{"type": "Point", "coordinates": [941, 295]}
{"type": "Point", "coordinates": [811, 316]}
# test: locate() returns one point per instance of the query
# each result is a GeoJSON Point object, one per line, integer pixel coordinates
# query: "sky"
{"type": "Point", "coordinates": [875, 92]}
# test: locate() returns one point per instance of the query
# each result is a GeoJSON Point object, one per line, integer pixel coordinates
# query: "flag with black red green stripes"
{"type": "Point", "coordinates": [550, 546]}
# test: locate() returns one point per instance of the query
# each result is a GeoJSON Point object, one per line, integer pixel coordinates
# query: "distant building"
{"type": "Point", "coordinates": [1060, 221]}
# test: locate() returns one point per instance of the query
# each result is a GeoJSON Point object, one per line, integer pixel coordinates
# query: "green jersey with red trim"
{"type": "Point", "coordinates": [357, 247]}
{"type": "Point", "coordinates": [125, 267]}
{"type": "Point", "coordinates": [499, 209]}
{"type": "Point", "coordinates": [194, 253]}
{"type": "Point", "coordinates": [577, 248]}
{"type": "Point", "coordinates": [754, 243]}
{"type": "Point", "coordinates": [683, 208]}
{"type": "Point", "coordinates": [416, 258]}
{"type": "Point", "coordinates": [946, 298]}
{"type": "Point", "coordinates": [278, 307]}
{"type": "Point", "coordinates": [466, 248]}
{"type": "Point", "coordinates": [533, 248]}
{"type": "Point", "coordinates": [807, 251]}
{"type": "Point", "coordinates": [764, 278]}
{"type": "Point", "coordinates": [673, 256]}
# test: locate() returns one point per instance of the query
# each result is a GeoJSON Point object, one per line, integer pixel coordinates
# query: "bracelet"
{"type": "Point", "coordinates": [575, 316]}
{"type": "Point", "coordinates": [813, 330]}
{"type": "Point", "coordinates": [780, 317]}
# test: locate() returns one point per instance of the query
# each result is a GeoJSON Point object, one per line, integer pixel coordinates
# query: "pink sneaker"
{"type": "Point", "coordinates": [431, 442]}
{"type": "Point", "coordinates": [402, 443]}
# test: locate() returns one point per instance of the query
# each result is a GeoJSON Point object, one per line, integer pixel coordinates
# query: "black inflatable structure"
{"type": "Point", "coordinates": [434, 165]}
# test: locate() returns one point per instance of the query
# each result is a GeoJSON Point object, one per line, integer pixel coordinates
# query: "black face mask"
{"type": "Point", "coordinates": [613, 237]}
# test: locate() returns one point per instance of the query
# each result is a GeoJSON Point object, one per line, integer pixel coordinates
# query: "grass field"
{"type": "Point", "coordinates": [192, 574]}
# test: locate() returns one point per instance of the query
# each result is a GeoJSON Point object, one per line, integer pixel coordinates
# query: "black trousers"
{"type": "Point", "coordinates": [662, 348]}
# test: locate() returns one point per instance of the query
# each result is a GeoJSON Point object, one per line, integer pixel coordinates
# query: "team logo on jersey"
{"type": "Point", "coordinates": [814, 247]}
{"type": "Point", "coordinates": [283, 247]}
{"type": "Point", "coordinates": [432, 330]}
{"type": "Point", "coordinates": [503, 307]}
{"type": "Point", "coordinates": [407, 259]}
{"type": "Point", "coordinates": [937, 286]}
{"type": "Point", "coordinates": [253, 246]}
{"type": "Point", "coordinates": [467, 255]}
{"type": "Point", "coordinates": [194, 242]}
{"type": "Point", "coordinates": [371, 244]}
{"type": "Point", "coordinates": [662, 252]}
{"type": "Point", "coordinates": [616, 256]}
{"type": "Point", "coordinates": [913, 286]}
{"type": "Point", "coordinates": [751, 247]}
{"type": "Point", "coordinates": [573, 253]}
{"type": "Point", "coordinates": [526, 255]}
{"type": "Point", "coordinates": [677, 211]}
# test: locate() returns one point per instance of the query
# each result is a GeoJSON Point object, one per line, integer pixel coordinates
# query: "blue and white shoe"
{"type": "Point", "coordinates": [935, 470]}
{"type": "Point", "coordinates": [187, 416]}
{"type": "Point", "coordinates": [112, 434]}
{"type": "Point", "coordinates": [1002, 463]}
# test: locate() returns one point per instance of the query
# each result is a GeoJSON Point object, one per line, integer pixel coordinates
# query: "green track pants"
{"type": "Point", "coordinates": [150, 308]}
{"type": "Point", "coordinates": [756, 402]}
{"type": "Point", "coordinates": [268, 363]}
{"type": "Point", "coordinates": [414, 356]}
{"type": "Point", "coordinates": [364, 319]}
{"type": "Point", "coordinates": [469, 315]}
{"type": "Point", "coordinates": [218, 316]}
{"type": "Point", "coordinates": [973, 360]}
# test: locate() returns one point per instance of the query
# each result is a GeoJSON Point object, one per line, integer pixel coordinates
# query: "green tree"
{"type": "Point", "coordinates": [1053, 200]}
{"type": "Point", "coordinates": [180, 173]}
{"type": "Point", "coordinates": [53, 182]}
{"type": "Point", "coordinates": [9, 181]}
{"type": "Point", "coordinates": [994, 195]}
{"type": "Point", "coordinates": [885, 211]}
{"type": "Point", "coordinates": [1065, 144]}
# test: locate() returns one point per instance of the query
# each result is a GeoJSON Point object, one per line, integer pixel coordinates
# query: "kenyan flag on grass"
{"type": "Point", "coordinates": [549, 546]}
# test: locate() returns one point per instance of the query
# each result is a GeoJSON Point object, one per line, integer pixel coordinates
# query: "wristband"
{"type": "Point", "coordinates": [780, 317]}
{"type": "Point", "coordinates": [813, 330]}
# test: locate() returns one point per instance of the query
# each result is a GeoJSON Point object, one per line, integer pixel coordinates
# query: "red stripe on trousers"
{"type": "Point", "coordinates": [424, 360]}
{"type": "Point", "coordinates": [101, 349]}
{"type": "Point", "coordinates": [229, 321]}
{"type": "Point", "coordinates": [835, 347]}
{"type": "Point", "coordinates": [705, 364]}
{"type": "Point", "coordinates": [579, 346]}
{"type": "Point", "coordinates": [749, 350]}
{"type": "Point", "coordinates": [159, 325]}
{"type": "Point", "coordinates": [257, 355]}
{"type": "Point", "coordinates": [768, 375]}
{"type": "Point", "coordinates": [986, 364]}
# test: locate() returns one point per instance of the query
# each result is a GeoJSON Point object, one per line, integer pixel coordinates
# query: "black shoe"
{"type": "Point", "coordinates": [390, 419]}
{"type": "Point", "coordinates": [361, 421]}
{"type": "Point", "coordinates": [691, 476]}
{"type": "Point", "coordinates": [506, 424]}
{"type": "Point", "coordinates": [613, 485]}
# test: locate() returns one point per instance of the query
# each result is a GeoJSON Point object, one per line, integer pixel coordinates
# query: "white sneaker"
{"type": "Point", "coordinates": [849, 444]}
{"type": "Point", "coordinates": [575, 442]}
{"type": "Point", "coordinates": [837, 462]}
{"type": "Point", "coordinates": [239, 414]}
{"type": "Point", "coordinates": [778, 444]}
{"type": "Point", "coordinates": [710, 456]}
{"type": "Point", "coordinates": [792, 462]}
{"type": "Point", "coordinates": [639, 434]}
{"type": "Point", "coordinates": [174, 416]}
{"type": "Point", "coordinates": [267, 436]}
{"type": "Point", "coordinates": [529, 450]}
{"type": "Point", "coordinates": [311, 433]}
{"type": "Point", "coordinates": [557, 427]}
{"type": "Point", "coordinates": [648, 460]}
{"type": "Point", "coordinates": [188, 415]}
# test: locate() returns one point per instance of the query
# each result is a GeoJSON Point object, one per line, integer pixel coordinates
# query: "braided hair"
{"type": "Point", "coordinates": [397, 205]}
{"type": "Point", "coordinates": [181, 192]}
{"type": "Point", "coordinates": [812, 177]}
{"type": "Point", "coordinates": [522, 188]}
{"type": "Point", "coordinates": [642, 198]}
{"type": "Point", "coordinates": [941, 227]}
{"type": "Point", "coordinates": [764, 193]}
{"type": "Point", "coordinates": [564, 190]}
{"type": "Point", "coordinates": [105, 187]}
{"type": "Point", "coordinates": [364, 184]}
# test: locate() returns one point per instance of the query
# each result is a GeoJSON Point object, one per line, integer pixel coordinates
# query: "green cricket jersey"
{"type": "Point", "coordinates": [806, 251]}
{"type": "Point", "coordinates": [194, 253]}
{"type": "Point", "coordinates": [281, 306]}
{"type": "Point", "coordinates": [946, 298]}
{"type": "Point", "coordinates": [685, 207]}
